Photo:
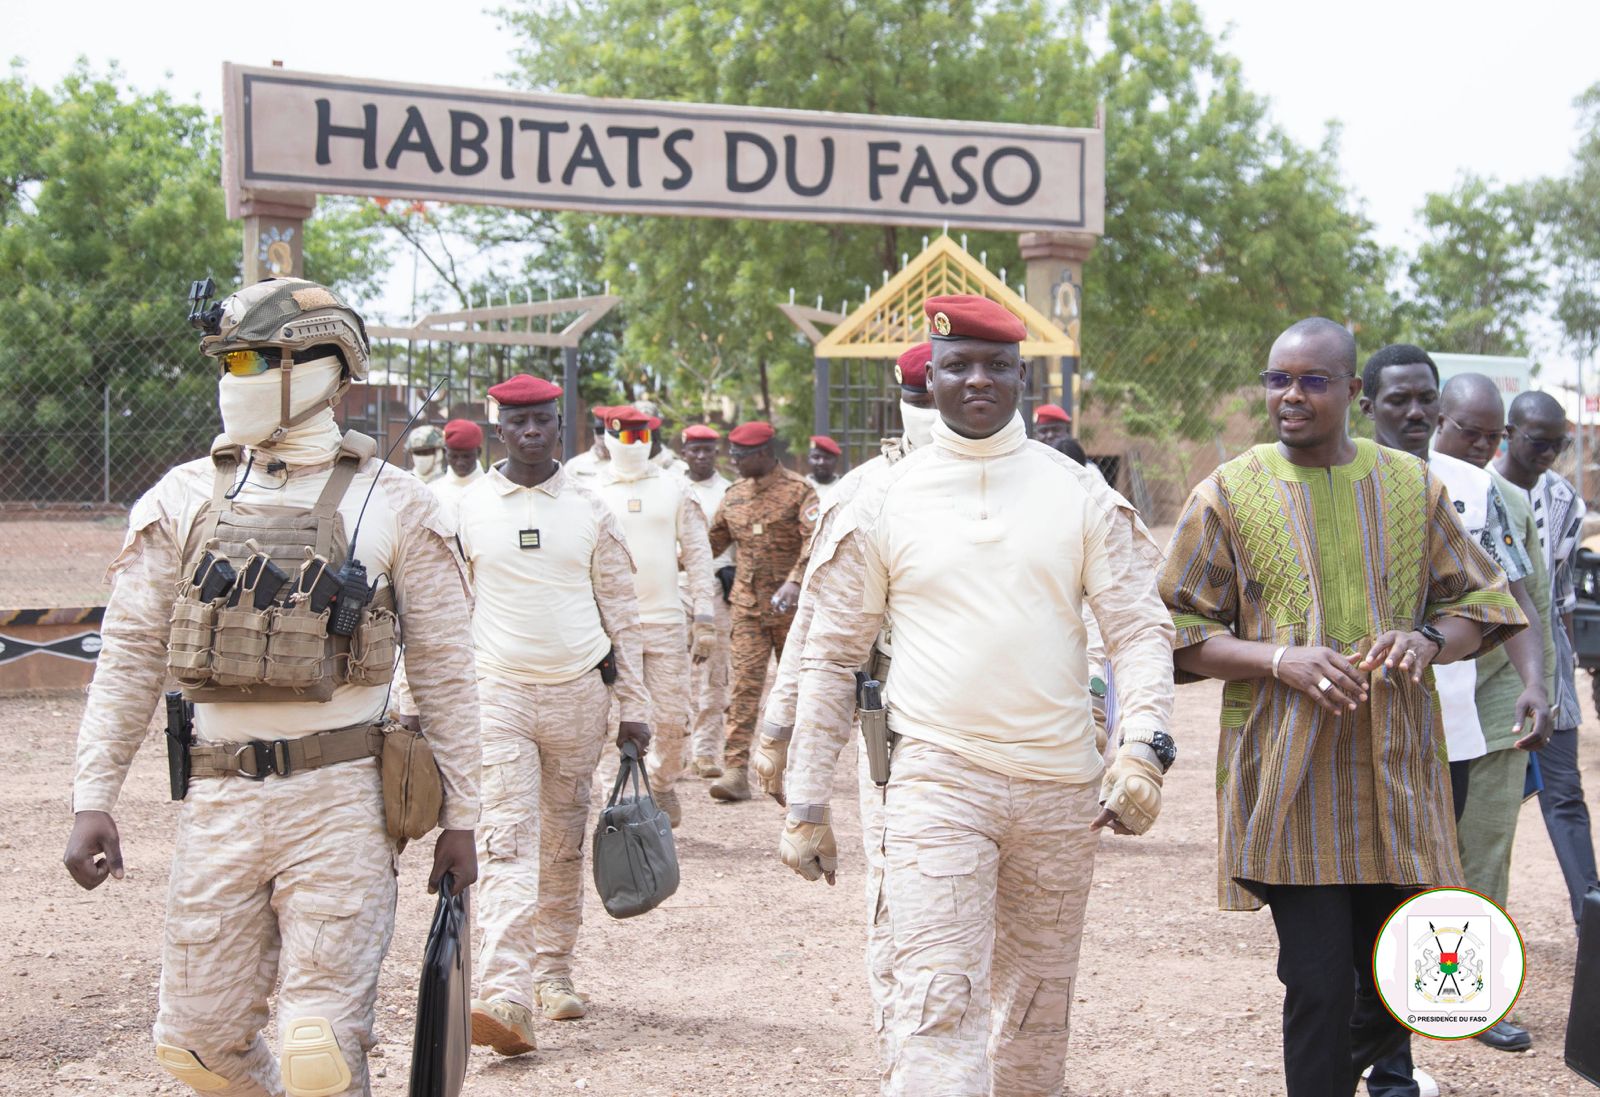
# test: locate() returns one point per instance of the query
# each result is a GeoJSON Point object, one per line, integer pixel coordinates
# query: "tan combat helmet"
{"type": "Point", "coordinates": [290, 315]}
{"type": "Point", "coordinates": [426, 436]}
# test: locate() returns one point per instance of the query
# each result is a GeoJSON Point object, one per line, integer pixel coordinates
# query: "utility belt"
{"type": "Point", "coordinates": [413, 791]}
{"type": "Point", "coordinates": [258, 759]}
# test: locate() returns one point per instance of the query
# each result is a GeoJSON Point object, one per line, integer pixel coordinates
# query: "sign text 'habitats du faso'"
{"type": "Point", "coordinates": [291, 131]}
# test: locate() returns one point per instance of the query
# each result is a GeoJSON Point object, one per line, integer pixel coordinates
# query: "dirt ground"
{"type": "Point", "coordinates": [749, 980]}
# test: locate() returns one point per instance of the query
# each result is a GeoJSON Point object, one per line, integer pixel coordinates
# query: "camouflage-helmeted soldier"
{"type": "Point", "coordinates": [233, 581]}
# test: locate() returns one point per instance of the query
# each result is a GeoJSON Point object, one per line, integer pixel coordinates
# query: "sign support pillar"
{"type": "Point", "coordinates": [274, 234]}
{"type": "Point", "coordinates": [1054, 285]}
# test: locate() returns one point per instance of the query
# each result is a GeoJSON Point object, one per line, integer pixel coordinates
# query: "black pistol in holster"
{"type": "Point", "coordinates": [180, 738]}
{"type": "Point", "coordinates": [874, 728]}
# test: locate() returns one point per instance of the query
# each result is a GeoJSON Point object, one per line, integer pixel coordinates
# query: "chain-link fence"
{"type": "Point", "coordinates": [98, 398]}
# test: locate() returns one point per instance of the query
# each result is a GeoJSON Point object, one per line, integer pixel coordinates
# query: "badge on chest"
{"type": "Point", "coordinates": [528, 539]}
{"type": "Point", "coordinates": [635, 506]}
{"type": "Point", "coordinates": [755, 527]}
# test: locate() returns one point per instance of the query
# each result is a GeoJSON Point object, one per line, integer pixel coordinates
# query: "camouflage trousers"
{"type": "Point", "coordinates": [880, 933]}
{"type": "Point", "coordinates": [541, 744]}
{"type": "Point", "coordinates": [708, 682]}
{"type": "Point", "coordinates": [755, 640]}
{"type": "Point", "coordinates": [293, 877]}
{"type": "Point", "coordinates": [987, 879]}
{"type": "Point", "coordinates": [668, 671]}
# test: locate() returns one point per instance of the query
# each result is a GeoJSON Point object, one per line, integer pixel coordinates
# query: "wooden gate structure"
{"type": "Point", "coordinates": [855, 400]}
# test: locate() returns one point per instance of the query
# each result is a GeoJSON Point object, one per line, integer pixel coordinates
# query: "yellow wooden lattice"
{"type": "Point", "coordinates": [891, 321]}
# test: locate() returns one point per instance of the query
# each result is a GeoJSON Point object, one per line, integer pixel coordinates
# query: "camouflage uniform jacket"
{"type": "Point", "coordinates": [770, 519]}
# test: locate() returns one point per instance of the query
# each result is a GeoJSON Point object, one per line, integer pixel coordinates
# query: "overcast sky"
{"type": "Point", "coordinates": [1424, 89]}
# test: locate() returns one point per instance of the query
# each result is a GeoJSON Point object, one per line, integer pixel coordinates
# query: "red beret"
{"type": "Point", "coordinates": [911, 368]}
{"type": "Point", "coordinates": [755, 433]}
{"type": "Point", "coordinates": [825, 444]}
{"type": "Point", "coordinates": [462, 434]}
{"type": "Point", "coordinates": [968, 316]}
{"type": "Point", "coordinates": [522, 390]}
{"type": "Point", "coordinates": [700, 433]}
{"type": "Point", "coordinates": [1051, 413]}
{"type": "Point", "coordinates": [601, 413]}
{"type": "Point", "coordinates": [630, 418]}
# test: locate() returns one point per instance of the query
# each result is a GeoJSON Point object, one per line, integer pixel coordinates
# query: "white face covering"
{"type": "Point", "coordinates": [918, 423]}
{"type": "Point", "coordinates": [629, 461]}
{"type": "Point", "coordinates": [252, 410]}
{"type": "Point", "coordinates": [427, 465]}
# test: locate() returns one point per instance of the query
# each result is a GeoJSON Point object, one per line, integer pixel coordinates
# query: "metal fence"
{"type": "Point", "coordinates": [92, 413]}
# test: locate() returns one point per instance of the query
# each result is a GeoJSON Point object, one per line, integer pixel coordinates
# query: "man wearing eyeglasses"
{"type": "Point", "coordinates": [1320, 577]}
{"type": "Point", "coordinates": [1535, 437]}
{"type": "Point", "coordinates": [1472, 423]}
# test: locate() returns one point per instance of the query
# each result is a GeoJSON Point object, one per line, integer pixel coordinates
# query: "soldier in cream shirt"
{"type": "Point", "coordinates": [979, 552]}
{"type": "Point", "coordinates": [709, 679]}
{"type": "Point", "coordinates": [555, 611]}
{"type": "Point", "coordinates": [664, 526]}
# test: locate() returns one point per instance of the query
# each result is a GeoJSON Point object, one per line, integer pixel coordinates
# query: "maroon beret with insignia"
{"type": "Point", "coordinates": [911, 368]}
{"type": "Point", "coordinates": [968, 316]}
{"type": "Point", "coordinates": [630, 418]}
{"type": "Point", "coordinates": [700, 433]}
{"type": "Point", "coordinates": [825, 444]}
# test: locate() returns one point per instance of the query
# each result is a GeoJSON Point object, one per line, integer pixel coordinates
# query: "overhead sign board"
{"type": "Point", "coordinates": [299, 132]}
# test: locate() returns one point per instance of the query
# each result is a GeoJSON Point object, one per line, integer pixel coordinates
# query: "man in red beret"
{"type": "Point", "coordinates": [664, 526]}
{"type": "Point", "coordinates": [585, 466]}
{"type": "Point", "coordinates": [709, 680]}
{"type": "Point", "coordinates": [768, 515]}
{"type": "Point", "coordinates": [1052, 425]}
{"type": "Point", "coordinates": [556, 630]}
{"type": "Point", "coordinates": [463, 447]}
{"type": "Point", "coordinates": [982, 543]}
{"type": "Point", "coordinates": [823, 462]}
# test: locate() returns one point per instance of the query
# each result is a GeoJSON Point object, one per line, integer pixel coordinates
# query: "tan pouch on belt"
{"type": "Point", "coordinates": [413, 794]}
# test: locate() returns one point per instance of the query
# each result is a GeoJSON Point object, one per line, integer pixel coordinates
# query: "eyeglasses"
{"type": "Point", "coordinates": [247, 363]}
{"type": "Point", "coordinates": [1473, 437]}
{"type": "Point", "coordinates": [1312, 384]}
{"type": "Point", "coordinates": [1546, 445]}
{"type": "Point", "coordinates": [631, 436]}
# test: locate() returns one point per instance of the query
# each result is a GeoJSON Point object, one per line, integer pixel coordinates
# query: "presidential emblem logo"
{"type": "Point", "coordinates": [1448, 960]}
{"type": "Point", "coordinates": [941, 323]}
{"type": "Point", "coordinates": [1448, 963]}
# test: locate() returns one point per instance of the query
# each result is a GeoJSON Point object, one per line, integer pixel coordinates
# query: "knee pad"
{"type": "Point", "coordinates": [186, 1067]}
{"type": "Point", "coordinates": [311, 1064]}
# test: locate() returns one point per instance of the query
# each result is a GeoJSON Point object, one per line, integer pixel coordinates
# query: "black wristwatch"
{"type": "Point", "coordinates": [1166, 751]}
{"type": "Point", "coordinates": [1433, 634]}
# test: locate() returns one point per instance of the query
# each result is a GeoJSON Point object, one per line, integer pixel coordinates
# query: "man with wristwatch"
{"type": "Point", "coordinates": [1320, 577]}
{"type": "Point", "coordinates": [978, 553]}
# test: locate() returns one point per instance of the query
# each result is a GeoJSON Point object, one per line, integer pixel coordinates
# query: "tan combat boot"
{"type": "Point", "coordinates": [559, 1001]}
{"type": "Point", "coordinates": [707, 767]}
{"type": "Point", "coordinates": [667, 801]}
{"type": "Point", "coordinates": [502, 1025]}
{"type": "Point", "coordinates": [733, 785]}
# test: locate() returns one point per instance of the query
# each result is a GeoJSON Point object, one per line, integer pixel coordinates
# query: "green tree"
{"type": "Point", "coordinates": [1216, 221]}
{"type": "Point", "coordinates": [1479, 276]}
{"type": "Point", "coordinates": [1570, 207]}
{"type": "Point", "coordinates": [110, 204]}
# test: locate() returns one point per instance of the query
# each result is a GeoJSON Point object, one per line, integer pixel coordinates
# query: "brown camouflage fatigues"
{"type": "Point", "coordinates": [290, 876]}
{"type": "Point", "coordinates": [770, 520]}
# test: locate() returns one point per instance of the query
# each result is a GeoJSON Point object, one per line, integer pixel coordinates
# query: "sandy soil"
{"type": "Point", "coordinates": [46, 563]}
{"type": "Point", "coordinates": [749, 980]}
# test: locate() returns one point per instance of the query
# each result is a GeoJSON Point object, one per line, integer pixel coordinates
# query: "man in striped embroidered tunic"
{"type": "Point", "coordinates": [1320, 577]}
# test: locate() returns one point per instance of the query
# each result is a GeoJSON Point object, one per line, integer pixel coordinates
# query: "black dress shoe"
{"type": "Point", "coordinates": [1505, 1036]}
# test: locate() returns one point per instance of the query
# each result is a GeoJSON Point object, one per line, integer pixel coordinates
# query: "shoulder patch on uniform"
{"type": "Point", "coordinates": [1461, 506]}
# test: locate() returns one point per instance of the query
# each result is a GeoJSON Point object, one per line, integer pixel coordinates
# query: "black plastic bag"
{"type": "Point", "coordinates": [635, 861]}
{"type": "Point", "coordinates": [1583, 1019]}
{"type": "Point", "coordinates": [444, 1001]}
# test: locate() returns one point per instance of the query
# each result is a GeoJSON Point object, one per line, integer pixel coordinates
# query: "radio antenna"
{"type": "Point", "coordinates": [426, 400]}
